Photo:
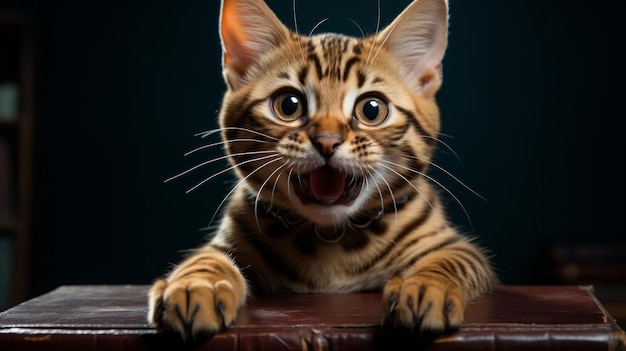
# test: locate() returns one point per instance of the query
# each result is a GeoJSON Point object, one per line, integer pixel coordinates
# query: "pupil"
{"type": "Point", "coordinates": [370, 110]}
{"type": "Point", "coordinates": [290, 105]}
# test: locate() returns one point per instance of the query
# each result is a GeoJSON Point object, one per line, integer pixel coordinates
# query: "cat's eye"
{"type": "Point", "coordinates": [288, 106]}
{"type": "Point", "coordinates": [371, 110]}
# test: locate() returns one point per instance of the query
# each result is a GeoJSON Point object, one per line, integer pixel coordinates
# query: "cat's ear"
{"type": "Point", "coordinates": [248, 29]}
{"type": "Point", "coordinates": [418, 38]}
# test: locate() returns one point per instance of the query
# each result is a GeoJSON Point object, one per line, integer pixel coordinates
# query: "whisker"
{"type": "Point", "coordinates": [289, 184]}
{"type": "Point", "coordinates": [438, 184]}
{"type": "Point", "coordinates": [224, 143]}
{"type": "Point", "coordinates": [411, 184]}
{"type": "Point", "coordinates": [226, 170]}
{"type": "Point", "coordinates": [258, 195]}
{"type": "Point", "coordinates": [382, 44]}
{"type": "Point", "coordinates": [295, 17]}
{"type": "Point", "coordinates": [239, 184]}
{"type": "Point", "coordinates": [393, 198]}
{"type": "Point", "coordinates": [295, 23]}
{"type": "Point", "coordinates": [352, 180]}
{"type": "Point", "coordinates": [282, 37]}
{"type": "Point", "coordinates": [457, 180]}
{"type": "Point", "coordinates": [450, 175]}
{"type": "Point", "coordinates": [299, 180]}
{"type": "Point", "coordinates": [378, 15]}
{"type": "Point", "coordinates": [207, 133]}
{"type": "Point", "coordinates": [317, 25]}
{"type": "Point", "coordinates": [274, 187]}
{"type": "Point", "coordinates": [215, 160]}
{"type": "Point", "coordinates": [380, 193]}
{"type": "Point", "coordinates": [358, 26]}
{"type": "Point", "coordinates": [447, 135]}
{"type": "Point", "coordinates": [217, 130]}
{"type": "Point", "coordinates": [444, 144]}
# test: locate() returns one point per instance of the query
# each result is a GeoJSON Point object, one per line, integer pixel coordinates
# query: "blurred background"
{"type": "Point", "coordinates": [111, 93]}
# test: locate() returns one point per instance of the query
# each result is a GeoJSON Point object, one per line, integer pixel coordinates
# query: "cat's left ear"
{"type": "Point", "coordinates": [418, 37]}
{"type": "Point", "coordinates": [249, 29]}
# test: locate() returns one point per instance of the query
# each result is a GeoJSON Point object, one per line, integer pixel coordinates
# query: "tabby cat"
{"type": "Point", "coordinates": [330, 137]}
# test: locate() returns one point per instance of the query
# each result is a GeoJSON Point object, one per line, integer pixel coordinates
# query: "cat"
{"type": "Point", "coordinates": [330, 137]}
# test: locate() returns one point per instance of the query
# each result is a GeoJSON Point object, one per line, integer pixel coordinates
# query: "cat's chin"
{"type": "Point", "coordinates": [326, 215]}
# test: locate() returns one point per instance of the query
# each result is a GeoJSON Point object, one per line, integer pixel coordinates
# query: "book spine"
{"type": "Point", "coordinates": [320, 340]}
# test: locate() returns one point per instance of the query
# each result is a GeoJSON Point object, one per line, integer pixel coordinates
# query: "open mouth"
{"type": "Point", "coordinates": [327, 186]}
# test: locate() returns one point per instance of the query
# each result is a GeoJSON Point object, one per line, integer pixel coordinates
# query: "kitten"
{"type": "Point", "coordinates": [330, 137]}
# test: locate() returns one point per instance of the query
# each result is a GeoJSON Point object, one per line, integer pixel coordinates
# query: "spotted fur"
{"type": "Point", "coordinates": [331, 138]}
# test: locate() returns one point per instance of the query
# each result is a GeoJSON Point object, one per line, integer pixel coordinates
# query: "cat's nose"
{"type": "Point", "coordinates": [326, 144]}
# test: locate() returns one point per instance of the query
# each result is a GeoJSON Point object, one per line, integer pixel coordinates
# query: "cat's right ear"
{"type": "Point", "coordinates": [418, 38]}
{"type": "Point", "coordinates": [248, 30]}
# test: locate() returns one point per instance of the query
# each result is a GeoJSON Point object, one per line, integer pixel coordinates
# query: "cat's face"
{"type": "Point", "coordinates": [331, 126]}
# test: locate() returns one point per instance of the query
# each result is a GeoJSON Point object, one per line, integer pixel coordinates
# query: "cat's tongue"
{"type": "Point", "coordinates": [327, 184]}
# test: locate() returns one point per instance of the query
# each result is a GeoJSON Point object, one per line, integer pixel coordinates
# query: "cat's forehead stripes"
{"type": "Point", "coordinates": [334, 57]}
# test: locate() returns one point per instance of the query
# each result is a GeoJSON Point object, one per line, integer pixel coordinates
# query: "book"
{"type": "Point", "coordinates": [510, 318]}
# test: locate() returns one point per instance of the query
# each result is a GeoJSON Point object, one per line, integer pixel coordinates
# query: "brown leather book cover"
{"type": "Point", "coordinates": [510, 318]}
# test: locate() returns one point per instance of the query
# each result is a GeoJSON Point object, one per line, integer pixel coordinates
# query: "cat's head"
{"type": "Point", "coordinates": [331, 126]}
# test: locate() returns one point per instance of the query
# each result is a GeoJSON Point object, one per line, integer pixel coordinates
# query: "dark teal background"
{"type": "Point", "coordinates": [532, 103]}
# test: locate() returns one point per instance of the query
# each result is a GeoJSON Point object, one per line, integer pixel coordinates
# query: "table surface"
{"type": "Point", "coordinates": [548, 315]}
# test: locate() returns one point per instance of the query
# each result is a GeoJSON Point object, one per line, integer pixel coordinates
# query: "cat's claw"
{"type": "Point", "coordinates": [393, 300]}
{"type": "Point", "coordinates": [423, 305]}
{"type": "Point", "coordinates": [194, 310]}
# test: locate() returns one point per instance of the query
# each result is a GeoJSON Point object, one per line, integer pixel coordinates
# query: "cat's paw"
{"type": "Point", "coordinates": [424, 305]}
{"type": "Point", "coordinates": [192, 308]}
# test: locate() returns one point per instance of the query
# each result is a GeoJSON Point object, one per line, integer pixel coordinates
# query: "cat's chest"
{"type": "Point", "coordinates": [332, 269]}
{"type": "Point", "coordinates": [301, 261]}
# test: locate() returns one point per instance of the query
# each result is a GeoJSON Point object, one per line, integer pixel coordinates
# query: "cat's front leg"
{"type": "Point", "coordinates": [200, 296]}
{"type": "Point", "coordinates": [430, 296]}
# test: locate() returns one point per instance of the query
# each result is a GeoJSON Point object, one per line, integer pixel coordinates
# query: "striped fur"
{"type": "Point", "coordinates": [304, 110]}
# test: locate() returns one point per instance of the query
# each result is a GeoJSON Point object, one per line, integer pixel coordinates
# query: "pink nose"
{"type": "Point", "coordinates": [326, 144]}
